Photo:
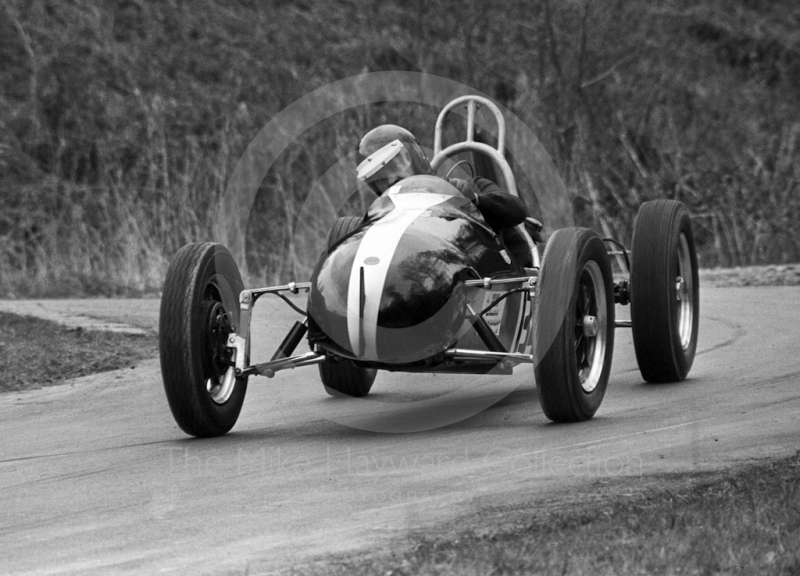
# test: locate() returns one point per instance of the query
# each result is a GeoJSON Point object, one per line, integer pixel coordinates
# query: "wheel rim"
{"type": "Point", "coordinates": [591, 324]}
{"type": "Point", "coordinates": [684, 292]}
{"type": "Point", "coordinates": [220, 390]}
{"type": "Point", "coordinates": [220, 375]}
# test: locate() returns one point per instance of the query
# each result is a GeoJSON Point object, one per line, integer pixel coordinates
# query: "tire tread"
{"type": "Point", "coordinates": [658, 226]}
{"type": "Point", "coordinates": [180, 368]}
{"type": "Point", "coordinates": [557, 380]}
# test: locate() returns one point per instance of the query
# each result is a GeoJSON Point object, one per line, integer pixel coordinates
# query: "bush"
{"type": "Point", "coordinates": [122, 121]}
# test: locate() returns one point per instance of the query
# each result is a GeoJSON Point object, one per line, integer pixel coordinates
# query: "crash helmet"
{"type": "Point", "coordinates": [388, 154]}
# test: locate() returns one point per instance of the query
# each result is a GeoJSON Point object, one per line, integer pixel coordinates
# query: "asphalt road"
{"type": "Point", "coordinates": [96, 478]}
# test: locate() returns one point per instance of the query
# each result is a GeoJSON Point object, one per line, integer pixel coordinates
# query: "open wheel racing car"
{"type": "Point", "coordinates": [422, 284]}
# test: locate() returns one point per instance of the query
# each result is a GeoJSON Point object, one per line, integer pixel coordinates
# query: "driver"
{"type": "Point", "coordinates": [390, 153]}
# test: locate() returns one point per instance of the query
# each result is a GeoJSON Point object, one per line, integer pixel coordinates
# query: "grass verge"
{"type": "Point", "coordinates": [741, 521]}
{"type": "Point", "coordinates": [36, 352]}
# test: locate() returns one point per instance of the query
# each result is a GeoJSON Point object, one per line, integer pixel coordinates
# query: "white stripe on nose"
{"type": "Point", "coordinates": [374, 255]}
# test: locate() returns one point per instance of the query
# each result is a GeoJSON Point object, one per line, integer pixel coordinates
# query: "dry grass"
{"type": "Point", "coordinates": [745, 521]}
{"type": "Point", "coordinates": [775, 275]}
{"type": "Point", "coordinates": [121, 123]}
{"type": "Point", "coordinates": [36, 352]}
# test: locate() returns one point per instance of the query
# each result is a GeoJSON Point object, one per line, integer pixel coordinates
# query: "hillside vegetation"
{"type": "Point", "coordinates": [122, 121]}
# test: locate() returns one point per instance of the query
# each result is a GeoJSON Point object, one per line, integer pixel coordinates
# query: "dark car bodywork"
{"type": "Point", "coordinates": [392, 293]}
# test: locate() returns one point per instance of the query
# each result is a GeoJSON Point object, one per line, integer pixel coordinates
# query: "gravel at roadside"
{"type": "Point", "coordinates": [773, 275]}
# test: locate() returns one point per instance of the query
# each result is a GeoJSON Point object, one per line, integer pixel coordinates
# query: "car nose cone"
{"type": "Point", "coordinates": [392, 306]}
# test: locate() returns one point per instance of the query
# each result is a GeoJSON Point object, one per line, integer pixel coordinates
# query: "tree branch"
{"type": "Point", "coordinates": [608, 72]}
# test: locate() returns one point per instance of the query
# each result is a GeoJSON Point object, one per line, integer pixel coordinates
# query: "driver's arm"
{"type": "Point", "coordinates": [500, 210]}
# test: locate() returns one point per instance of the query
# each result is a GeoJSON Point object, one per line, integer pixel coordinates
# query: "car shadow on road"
{"type": "Point", "coordinates": [354, 418]}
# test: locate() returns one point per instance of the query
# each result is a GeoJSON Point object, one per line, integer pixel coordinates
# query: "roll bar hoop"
{"type": "Point", "coordinates": [473, 103]}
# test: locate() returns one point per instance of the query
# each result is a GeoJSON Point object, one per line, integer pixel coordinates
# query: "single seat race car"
{"type": "Point", "coordinates": [423, 284]}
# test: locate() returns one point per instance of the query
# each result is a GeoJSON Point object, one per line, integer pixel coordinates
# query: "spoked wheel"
{"type": "Point", "coordinates": [665, 291]}
{"type": "Point", "coordinates": [344, 378]}
{"type": "Point", "coordinates": [217, 358]}
{"type": "Point", "coordinates": [590, 342]}
{"type": "Point", "coordinates": [199, 310]}
{"type": "Point", "coordinates": [573, 325]}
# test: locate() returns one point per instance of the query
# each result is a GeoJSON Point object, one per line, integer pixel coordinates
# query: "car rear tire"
{"type": "Point", "coordinates": [344, 378]}
{"type": "Point", "coordinates": [573, 325]}
{"type": "Point", "coordinates": [665, 291]}
{"type": "Point", "coordinates": [199, 309]}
